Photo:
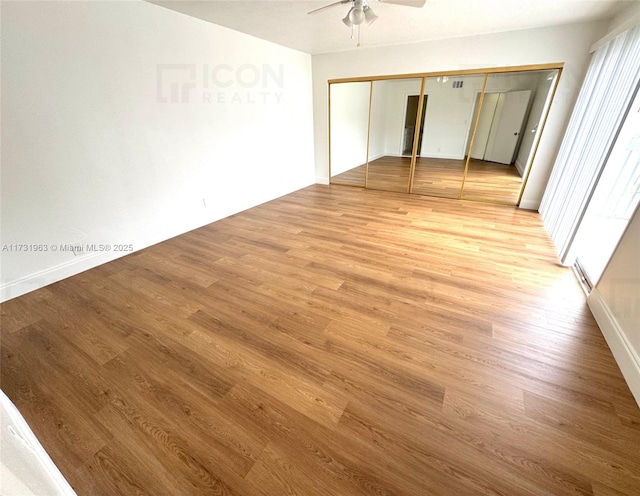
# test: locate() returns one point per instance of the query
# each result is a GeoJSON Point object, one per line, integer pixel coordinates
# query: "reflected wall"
{"type": "Point", "coordinates": [440, 164]}
{"type": "Point", "coordinates": [349, 121]}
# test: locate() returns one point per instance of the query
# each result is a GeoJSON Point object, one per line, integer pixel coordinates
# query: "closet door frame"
{"type": "Point", "coordinates": [423, 76]}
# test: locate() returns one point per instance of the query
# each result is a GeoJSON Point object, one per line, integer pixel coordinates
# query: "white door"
{"type": "Point", "coordinates": [507, 126]}
{"type": "Point", "coordinates": [489, 104]}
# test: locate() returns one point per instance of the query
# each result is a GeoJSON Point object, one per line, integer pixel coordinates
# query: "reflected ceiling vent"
{"type": "Point", "coordinates": [458, 84]}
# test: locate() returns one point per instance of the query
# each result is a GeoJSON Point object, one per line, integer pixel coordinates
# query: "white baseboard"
{"type": "Point", "coordinates": [530, 205]}
{"type": "Point", "coordinates": [520, 168]}
{"type": "Point", "coordinates": [624, 354]}
{"type": "Point", "coordinates": [83, 262]}
{"type": "Point", "coordinates": [322, 180]}
{"type": "Point", "coordinates": [445, 156]}
{"type": "Point", "coordinates": [77, 265]}
{"type": "Point", "coordinates": [40, 279]}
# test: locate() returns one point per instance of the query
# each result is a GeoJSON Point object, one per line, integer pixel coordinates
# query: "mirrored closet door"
{"type": "Point", "coordinates": [508, 117]}
{"type": "Point", "coordinates": [463, 135]}
{"type": "Point", "coordinates": [448, 126]}
{"type": "Point", "coordinates": [395, 132]}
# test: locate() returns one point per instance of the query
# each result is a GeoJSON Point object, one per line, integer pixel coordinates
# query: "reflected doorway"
{"type": "Point", "coordinates": [409, 132]}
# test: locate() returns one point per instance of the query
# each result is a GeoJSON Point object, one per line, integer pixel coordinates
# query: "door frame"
{"type": "Point", "coordinates": [404, 120]}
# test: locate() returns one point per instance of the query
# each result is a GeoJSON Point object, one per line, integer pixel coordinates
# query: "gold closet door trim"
{"type": "Point", "coordinates": [461, 72]}
{"type": "Point", "coordinates": [416, 136]}
{"type": "Point", "coordinates": [366, 164]}
{"type": "Point", "coordinates": [329, 128]}
{"type": "Point", "coordinates": [540, 131]}
{"type": "Point", "coordinates": [473, 135]}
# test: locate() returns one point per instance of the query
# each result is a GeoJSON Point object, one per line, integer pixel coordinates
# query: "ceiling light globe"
{"type": "Point", "coordinates": [369, 15]}
{"type": "Point", "coordinates": [356, 15]}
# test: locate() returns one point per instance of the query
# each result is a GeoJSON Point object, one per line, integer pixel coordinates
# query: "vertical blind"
{"type": "Point", "coordinates": [606, 93]}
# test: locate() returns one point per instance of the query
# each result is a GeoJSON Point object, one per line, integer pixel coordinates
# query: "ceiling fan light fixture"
{"type": "Point", "coordinates": [369, 15]}
{"type": "Point", "coordinates": [356, 15]}
{"type": "Point", "coordinates": [360, 12]}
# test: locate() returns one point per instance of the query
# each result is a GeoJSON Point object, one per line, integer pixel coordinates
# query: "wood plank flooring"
{"type": "Point", "coordinates": [485, 181]}
{"type": "Point", "coordinates": [492, 181]}
{"type": "Point", "coordinates": [336, 341]}
{"type": "Point", "coordinates": [389, 174]}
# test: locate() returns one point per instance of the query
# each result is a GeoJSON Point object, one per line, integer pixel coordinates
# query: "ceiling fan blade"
{"type": "Point", "coordinates": [408, 3]}
{"type": "Point", "coordinates": [330, 5]}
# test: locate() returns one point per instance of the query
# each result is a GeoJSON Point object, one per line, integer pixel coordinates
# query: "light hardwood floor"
{"type": "Point", "coordinates": [485, 181]}
{"type": "Point", "coordinates": [336, 341]}
{"type": "Point", "coordinates": [492, 181]}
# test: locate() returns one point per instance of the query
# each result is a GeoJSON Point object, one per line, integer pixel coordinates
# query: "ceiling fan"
{"type": "Point", "coordinates": [361, 13]}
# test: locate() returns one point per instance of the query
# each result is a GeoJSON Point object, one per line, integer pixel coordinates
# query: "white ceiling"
{"type": "Point", "coordinates": [287, 22]}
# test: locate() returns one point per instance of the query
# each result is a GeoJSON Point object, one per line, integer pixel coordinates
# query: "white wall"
{"type": "Point", "coordinates": [449, 116]}
{"type": "Point", "coordinates": [627, 18]}
{"type": "Point", "coordinates": [615, 303]}
{"type": "Point", "coordinates": [349, 125]}
{"type": "Point", "coordinates": [25, 467]}
{"type": "Point", "coordinates": [92, 155]}
{"type": "Point", "coordinates": [569, 44]}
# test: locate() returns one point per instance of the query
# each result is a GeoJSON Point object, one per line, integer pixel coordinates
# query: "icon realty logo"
{"type": "Point", "coordinates": [220, 83]}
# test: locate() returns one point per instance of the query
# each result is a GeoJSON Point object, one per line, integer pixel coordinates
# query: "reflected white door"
{"type": "Point", "coordinates": [489, 105]}
{"type": "Point", "coordinates": [507, 125]}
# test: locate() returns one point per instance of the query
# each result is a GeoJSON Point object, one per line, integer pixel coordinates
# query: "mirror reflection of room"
{"type": "Point", "coordinates": [440, 165]}
{"type": "Point", "coordinates": [461, 136]}
{"type": "Point", "coordinates": [394, 112]}
{"type": "Point", "coordinates": [508, 119]}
